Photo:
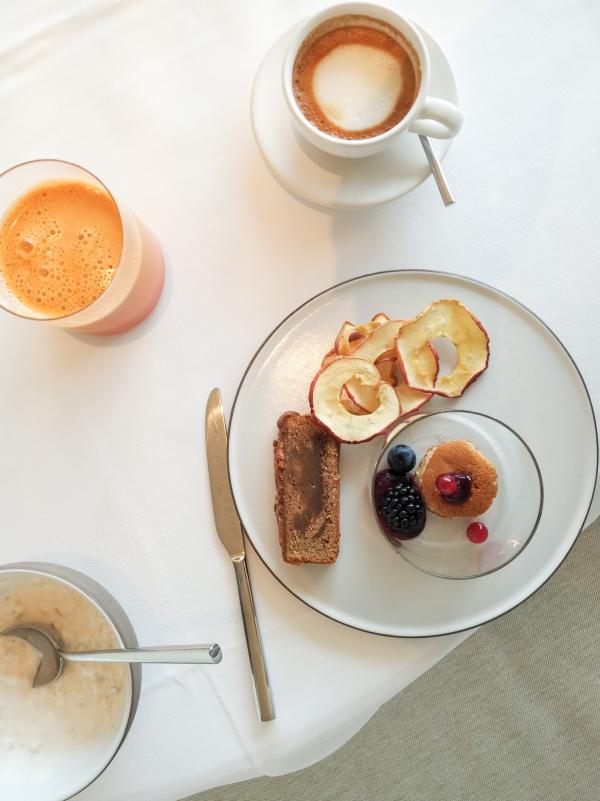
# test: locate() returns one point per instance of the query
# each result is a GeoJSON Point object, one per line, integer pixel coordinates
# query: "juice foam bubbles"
{"type": "Point", "coordinates": [60, 246]}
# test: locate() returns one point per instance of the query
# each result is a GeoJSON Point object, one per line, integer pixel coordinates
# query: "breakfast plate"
{"type": "Point", "coordinates": [330, 180]}
{"type": "Point", "coordinates": [532, 385]}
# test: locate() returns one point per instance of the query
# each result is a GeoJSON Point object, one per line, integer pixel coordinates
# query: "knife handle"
{"type": "Point", "coordinates": [262, 690]}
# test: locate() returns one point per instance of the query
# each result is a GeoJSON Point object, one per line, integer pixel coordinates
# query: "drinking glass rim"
{"type": "Point", "coordinates": [114, 200]}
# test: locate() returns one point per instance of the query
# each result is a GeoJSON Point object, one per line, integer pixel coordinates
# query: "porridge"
{"type": "Point", "coordinates": [87, 701]}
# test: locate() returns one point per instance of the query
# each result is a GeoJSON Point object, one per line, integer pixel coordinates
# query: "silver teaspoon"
{"type": "Point", "coordinates": [436, 169]}
{"type": "Point", "coordinates": [52, 657]}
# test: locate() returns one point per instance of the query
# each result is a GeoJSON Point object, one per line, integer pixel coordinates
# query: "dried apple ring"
{"type": "Point", "coordinates": [443, 318]}
{"type": "Point", "coordinates": [360, 398]}
{"type": "Point", "coordinates": [351, 336]}
{"type": "Point", "coordinates": [326, 404]}
{"type": "Point", "coordinates": [411, 400]}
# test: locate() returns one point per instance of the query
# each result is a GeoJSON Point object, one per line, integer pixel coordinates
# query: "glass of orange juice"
{"type": "Point", "coordinates": [70, 254]}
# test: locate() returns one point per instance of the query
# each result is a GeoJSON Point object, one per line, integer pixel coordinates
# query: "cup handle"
{"type": "Point", "coordinates": [438, 118]}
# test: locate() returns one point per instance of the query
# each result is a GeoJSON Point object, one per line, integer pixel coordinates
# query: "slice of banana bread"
{"type": "Point", "coordinates": [307, 490]}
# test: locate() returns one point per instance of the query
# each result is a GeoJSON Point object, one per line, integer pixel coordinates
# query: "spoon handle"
{"type": "Point", "coordinates": [174, 654]}
{"type": "Point", "coordinates": [436, 169]}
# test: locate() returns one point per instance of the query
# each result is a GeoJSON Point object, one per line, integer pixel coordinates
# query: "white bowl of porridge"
{"type": "Point", "coordinates": [55, 740]}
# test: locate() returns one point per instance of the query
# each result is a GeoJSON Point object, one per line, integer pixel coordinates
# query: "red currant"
{"type": "Point", "coordinates": [477, 532]}
{"type": "Point", "coordinates": [446, 484]}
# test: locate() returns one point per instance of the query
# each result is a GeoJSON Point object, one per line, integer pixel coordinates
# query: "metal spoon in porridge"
{"type": "Point", "coordinates": [52, 657]}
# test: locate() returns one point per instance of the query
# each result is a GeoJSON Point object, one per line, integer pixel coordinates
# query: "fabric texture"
{"type": "Point", "coordinates": [512, 714]}
{"type": "Point", "coordinates": [103, 465]}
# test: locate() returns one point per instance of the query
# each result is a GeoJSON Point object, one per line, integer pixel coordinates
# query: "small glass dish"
{"type": "Point", "coordinates": [443, 549]}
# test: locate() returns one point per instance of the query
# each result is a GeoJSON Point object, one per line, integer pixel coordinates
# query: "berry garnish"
{"type": "Point", "coordinates": [477, 532]}
{"type": "Point", "coordinates": [446, 484]}
{"type": "Point", "coordinates": [401, 510]}
{"type": "Point", "coordinates": [383, 482]}
{"type": "Point", "coordinates": [401, 459]}
{"type": "Point", "coordinates": [454, 487]}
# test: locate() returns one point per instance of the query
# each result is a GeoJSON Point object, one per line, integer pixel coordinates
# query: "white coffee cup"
{"type": "Point", "coordinates": [430, 116]}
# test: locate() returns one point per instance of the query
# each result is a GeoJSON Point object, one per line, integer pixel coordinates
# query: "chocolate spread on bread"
{"type": "Point", "coordinates": [307, 483]}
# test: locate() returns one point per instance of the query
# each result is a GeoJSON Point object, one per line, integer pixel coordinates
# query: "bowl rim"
{"type": "Point", "coordinates": [121, 626]}
{"type": "Point", "coordinates": [398, 428]}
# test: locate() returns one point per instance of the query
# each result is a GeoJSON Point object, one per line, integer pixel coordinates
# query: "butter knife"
{"type": "Point", "coordinates": [229, 529]}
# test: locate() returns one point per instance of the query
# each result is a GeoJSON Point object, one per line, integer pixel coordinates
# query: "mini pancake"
{"type": "Point", "coordinates": [457, 456]}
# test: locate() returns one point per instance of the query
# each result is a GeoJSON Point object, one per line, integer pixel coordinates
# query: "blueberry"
{"type": "Point", "coordinates": [401, 459]}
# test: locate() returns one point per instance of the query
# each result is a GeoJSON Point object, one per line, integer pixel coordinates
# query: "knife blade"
{"type": "Point", "coordinates": [227, 521]}
{"type": "Point", "coordinates": [231, 534]}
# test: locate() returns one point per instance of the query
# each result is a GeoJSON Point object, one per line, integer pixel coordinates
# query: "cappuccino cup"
{"type": "Point", "coordinates": [356, 76]}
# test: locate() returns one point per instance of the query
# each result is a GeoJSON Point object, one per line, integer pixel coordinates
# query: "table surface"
{"type": "Point", "coordinates": [495, 713]}
{"type": "Point", "coordinates": [103, 464]}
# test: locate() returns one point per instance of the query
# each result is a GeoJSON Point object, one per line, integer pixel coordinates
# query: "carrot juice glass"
{"type": "Point", "coordinates": [70, 254]}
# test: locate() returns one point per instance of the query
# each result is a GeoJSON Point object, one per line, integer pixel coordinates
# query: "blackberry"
{"type": "Point", "coordinates": [402, 510]}
{"type": "Point", "coordinates": [383, 482]}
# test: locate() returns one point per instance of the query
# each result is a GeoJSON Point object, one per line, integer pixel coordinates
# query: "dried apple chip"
{"type": "Point", "coordinates": [326, 404]}
{"type": "Point", "coordinates": [451, 319]}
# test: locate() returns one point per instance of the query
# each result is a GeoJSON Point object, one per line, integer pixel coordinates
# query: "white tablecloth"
{"type": "Point", "coordinates": [102, 461]}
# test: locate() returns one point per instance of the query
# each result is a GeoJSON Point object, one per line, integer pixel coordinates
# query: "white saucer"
{"type": "Point", "coordinates": [330, 180]}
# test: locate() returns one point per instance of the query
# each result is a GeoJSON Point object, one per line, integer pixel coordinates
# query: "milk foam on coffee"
{"type": "Point", "coordinates": [355, 77]}
{"type": "Point", "coordinates": [357, 86]}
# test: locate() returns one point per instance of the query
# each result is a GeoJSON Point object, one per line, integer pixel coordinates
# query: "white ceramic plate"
{"type": "Point", "coordinates": [330, 180]}
{"type": "Point", "coordinates": [532, 384]}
